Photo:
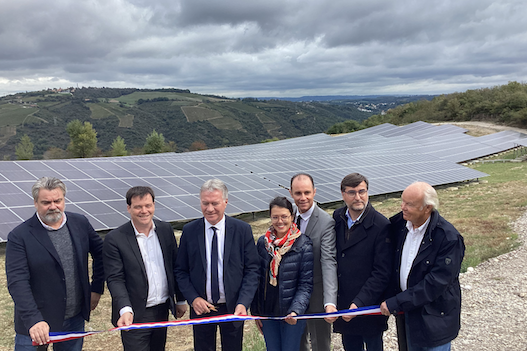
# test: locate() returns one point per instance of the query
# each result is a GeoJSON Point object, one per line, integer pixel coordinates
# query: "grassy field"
{"type": "Point", "coordinates": [196, 113]}
{"type": "Point", "coordinates": [14, 114]}
{"type": "Point", "coordinates": [132, 98]}
{"type": "Point", "coordinates": [480, 211]}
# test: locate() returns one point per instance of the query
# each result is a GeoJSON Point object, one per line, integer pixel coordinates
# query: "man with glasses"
{"type": "Point", "coordinates": [364, 262]}
{"type": "Point", "coordinates": [429, 252]}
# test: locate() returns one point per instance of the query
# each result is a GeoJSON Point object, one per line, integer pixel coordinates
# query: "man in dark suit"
{"type": "Point", "coordinates": [428, 256]}
{"type": "Point", "coordinates": [318, 225]}
{"type": "Point", "coordinates": [139, 262]}
{"type": "Point", "coordinates": [217, 268]}
{"type": "Point", "coordinates": [47, 270]}
{"type": "Point", "coordinates": [364, 258]}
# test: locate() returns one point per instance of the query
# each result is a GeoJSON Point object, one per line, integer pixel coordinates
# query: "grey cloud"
{"type": "Point", "coordinates": [234, 46]}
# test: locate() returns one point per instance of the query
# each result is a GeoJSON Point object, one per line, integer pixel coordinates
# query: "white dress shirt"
{"type": "Point", "coordinates": [154, 266]}
{"type": "Point", "coordinates": [410, 249]}
{"type": "Point", "coordinates": [304, 218]}
{"type": "Point", "coordinates": [220, 235]}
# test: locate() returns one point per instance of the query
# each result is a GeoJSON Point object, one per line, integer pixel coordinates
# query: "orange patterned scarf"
{"type": "Point", "coordinates": [277, 247]}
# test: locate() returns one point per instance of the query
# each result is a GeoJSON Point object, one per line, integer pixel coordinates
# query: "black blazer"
{"type": "Point", "coordinates": [240, 263]}
{"type": "Point", "coordinates": [364, 264]}
{"type": "Point", "coordinates": [35, 277]}
{"type": "Point", "coordinates": [125, 270]}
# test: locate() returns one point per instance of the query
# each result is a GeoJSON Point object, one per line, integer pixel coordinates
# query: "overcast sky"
{"type": "Point", "coordinates": [240, 48]}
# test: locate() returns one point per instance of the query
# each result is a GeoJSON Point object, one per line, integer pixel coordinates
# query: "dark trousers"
{"type": "Point", "coordinates": [362, 342]}
{"type": "Point", "coordinates": [400, 323]}
{"type": "Point", "coordinates": [152, 339]}
{"type": "Point", "coordinates": [231, 333]}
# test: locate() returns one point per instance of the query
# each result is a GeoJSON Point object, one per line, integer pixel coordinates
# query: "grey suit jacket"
{"type": "Point", "coordinates": [321, 230]}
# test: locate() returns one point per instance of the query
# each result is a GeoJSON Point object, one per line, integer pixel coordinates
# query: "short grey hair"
{"type": "Point", "coordinates": [48, 183]}
{"type": "Point", "coordinates": [213, 185]}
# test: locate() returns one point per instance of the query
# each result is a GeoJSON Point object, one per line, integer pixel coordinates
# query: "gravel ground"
{"type": "Point", "coordinates": [494, 303]}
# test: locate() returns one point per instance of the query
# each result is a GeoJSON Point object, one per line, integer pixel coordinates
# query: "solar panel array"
{"type": "Point", "coordinates": [391, 157]}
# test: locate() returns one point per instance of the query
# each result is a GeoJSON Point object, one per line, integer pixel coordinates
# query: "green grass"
{"type": "Point", "coordinates": [482, 213]}
{"type": "Point", "coordinates": [195, 113]}
{"type": "Point", "coordinates": [98, 111]}
{"type": "Point", "coordinates": [252, 339]}
{"type": "Point", "coordinates": [15, 114]}
{"type": "Point", "coordinates": [132, 98]}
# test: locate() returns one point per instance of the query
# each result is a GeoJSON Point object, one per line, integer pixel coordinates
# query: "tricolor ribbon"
{"type": "Point", "coordinates": [65, 336]}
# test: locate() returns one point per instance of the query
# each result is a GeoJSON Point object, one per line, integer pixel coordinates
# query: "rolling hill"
{"type": "Point", "coordinates": [181, 116]}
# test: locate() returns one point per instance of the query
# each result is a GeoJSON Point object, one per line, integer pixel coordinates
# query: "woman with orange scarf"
{"type": "Point", "coordinates": [286, 278]}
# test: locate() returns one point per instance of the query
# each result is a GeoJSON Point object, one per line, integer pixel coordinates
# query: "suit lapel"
{"type": "Point", "coordinates": [229, 229]}
{"type": "Point", "coordinates": [41, 235]}
{"type": "Point", "coordinates": [134, 246]}
{"type": "Point", "coordinates": [312, 222]}
{"type": "Point", "coordinates": [75, 231]}
{"type": "Point", "coordinates": [201, 243]}
{"type": "Point", "coordinates": [358, 234]}
{"type": "Point", "coordinates": [164, 248]}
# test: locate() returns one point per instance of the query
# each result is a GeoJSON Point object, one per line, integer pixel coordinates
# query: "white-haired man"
{"type": "Point", "coordinates": [217, 269]}
{"type": "Point", "coordinates": [428, 256]}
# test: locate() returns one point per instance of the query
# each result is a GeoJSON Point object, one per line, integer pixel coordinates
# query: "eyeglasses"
{"type": "Point", "coordinates": [283, 218]}
{"type": "Point", "coordinates": [352, 193]}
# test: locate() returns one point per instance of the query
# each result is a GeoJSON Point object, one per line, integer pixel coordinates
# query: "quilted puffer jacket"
{"type": "Point", "coordinates": [295, 277]}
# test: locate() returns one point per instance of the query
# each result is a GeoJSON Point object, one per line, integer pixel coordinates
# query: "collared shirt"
{"type": "Point", "coordinates": [49, 227]}
{"type": "Point", "coordinates": [351, 222]}
{"type": "Point", "coordinates": [220, 235]}
{"type": "Point", "coordinates": [410, 249]}
{"type": "Point", "coordinates": [155, 268]}
{"type": "Point", "coordinates": [304, 218]}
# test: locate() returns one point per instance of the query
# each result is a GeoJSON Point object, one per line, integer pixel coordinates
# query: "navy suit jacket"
{"type": "Point", "coordinates": [125, 269]}
{"type": "Point", "coordinates": [35, 277]}
{"type": "Point", "coordinates": [240, 263]}
{"type": "Point", "coordinates": [432, 302]}
{"type": "Point", "coordinates": [364, 268]}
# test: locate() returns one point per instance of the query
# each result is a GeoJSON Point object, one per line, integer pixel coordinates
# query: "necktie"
{"type": "Point", "coordinates": [298, 218]}
{"type": "Point", "coordinates": [214, 285]}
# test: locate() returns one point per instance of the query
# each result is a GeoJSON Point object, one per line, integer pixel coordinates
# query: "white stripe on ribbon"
{"type": "Point", "coordinates": [65, 336]}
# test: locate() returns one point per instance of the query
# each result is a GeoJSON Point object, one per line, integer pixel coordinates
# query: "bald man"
{"type": "Point", "coordinates": [428, 256]}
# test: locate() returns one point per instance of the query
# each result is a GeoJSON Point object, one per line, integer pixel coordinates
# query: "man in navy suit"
{"type": "Point", "coordinates": [47, 270]}
{"type": "Point", "coordinates": [217, 269]}
{"type": "Point", "coordinates": [139, 261]}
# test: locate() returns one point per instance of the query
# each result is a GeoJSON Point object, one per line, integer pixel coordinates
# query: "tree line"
{"type": "Point", "coordinates": [83, 144]}
{"type": "Point", "coordinates": [505, 104]}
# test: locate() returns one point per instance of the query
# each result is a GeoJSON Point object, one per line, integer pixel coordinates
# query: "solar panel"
{"type": "Point", "coordinates": [391, 157]}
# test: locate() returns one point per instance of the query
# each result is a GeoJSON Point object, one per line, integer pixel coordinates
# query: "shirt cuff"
{"type": "Point", "coordinates": [181, 303]}
{"type": "Point", "coordinates": [330, 304]}
{"type": "Point", "coordinates": [126, 309]}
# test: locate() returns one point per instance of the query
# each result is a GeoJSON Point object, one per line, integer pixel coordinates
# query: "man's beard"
{"type": "Point", "coordinates": [53, 216]}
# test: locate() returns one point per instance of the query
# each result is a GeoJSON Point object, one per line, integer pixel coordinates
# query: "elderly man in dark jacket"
{"type": "Point", "coordinates": [428, 256]}
{"type": "Point", "coordinates": [364, 257]}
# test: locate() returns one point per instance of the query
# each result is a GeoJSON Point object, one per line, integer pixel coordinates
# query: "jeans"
{"type": "Point", "coordinates": [24, 343]}
{"type": "Point", "coordinates": [280, 336]}
{"type": "Point", "coordinates": [357, 342]}
{"type": "Point", "coordinates": [444, 347]}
